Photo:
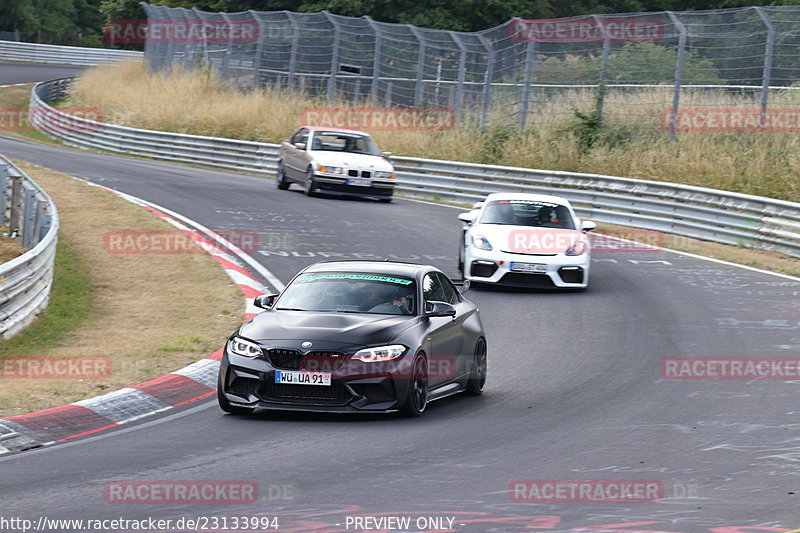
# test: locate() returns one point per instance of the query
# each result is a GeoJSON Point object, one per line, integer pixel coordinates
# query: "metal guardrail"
{"type": "Point", "coordinates": [67, 55]}
{"type": "Point", "coordinates": [708, 214]}
{"type": "Point", "coordinates": [25, 281]}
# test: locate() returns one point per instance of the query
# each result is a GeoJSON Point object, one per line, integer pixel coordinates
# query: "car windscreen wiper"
{"type": "Point", "coordinates": [289, 309]}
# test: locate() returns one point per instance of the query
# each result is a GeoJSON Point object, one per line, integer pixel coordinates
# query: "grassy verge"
{"type": "Point", "coordinates": [149, 313]}
{"type": "Point", "coordinates": [196, 102]}
{"type": "Point", "coordinates": [9, 248]}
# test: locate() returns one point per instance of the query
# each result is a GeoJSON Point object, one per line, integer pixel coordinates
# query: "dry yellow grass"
{"type": "Point", "coordinates": [150, 313]}
{"type": "Point", "coordinates": [196, 102]}
{"type": "Point", "coordinates": [9, 248]}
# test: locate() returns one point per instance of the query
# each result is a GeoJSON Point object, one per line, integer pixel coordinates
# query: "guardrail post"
{"type": "Point", "coordinates": [766, 76]}
{"type": "Point", "coordinates": [28, 217]}
{"type": "Point", "coordinates": [16, 197]}
{"type": "Point", "coordinates": [676, 93]}
{"type": "Point", "coordinates": [5, 193]}
{"type": "Point", "coordinates": [39, 219]}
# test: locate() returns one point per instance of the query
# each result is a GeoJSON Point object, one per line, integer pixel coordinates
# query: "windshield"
{"type": "Point", "coordinates": [331, 141]}
{"type": "Point", "coordinates": [349, 293]}
{"type": "Point", "coordinates": [527, 213]}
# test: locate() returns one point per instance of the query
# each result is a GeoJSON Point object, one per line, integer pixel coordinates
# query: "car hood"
{"type": "Point", "coordinates": [527, 239]}
{"type": "Point", "coordinates": [325, 330]}
{"type": "Point", "coordinates": [351, 160]}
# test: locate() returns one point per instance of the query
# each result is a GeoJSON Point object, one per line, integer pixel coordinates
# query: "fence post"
{"type": "Point", "coordinates": [419, 92]}
{"type": "Point", "coordinates": [531, 49]}
{"type": "Point", "coordinates": [376, 60]}
{"type": "Point", "coordinates": [462, 68]}
{"type": "Point", "coordinates": [293, 53]}
{"type": "Point", "coordinates": [28, 217]}
{"type": "Point", "coordinates": [766, 76]}
{"type": "Point", "coordinates": [487, 82]}
{"type": "Point", "coordinates": [226, 59]}
{"type": "Point", "coordinates": [601, 87]}
{"type": "Point", "coordinates": [334, 57]}
{"type": "Point", "coordinates": [262, 37]}
{"type": "Point", "coordinates": [676, 93]}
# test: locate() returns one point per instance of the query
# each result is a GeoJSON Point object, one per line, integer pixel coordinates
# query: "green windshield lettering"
{"type": "Point", "coordinates": [368, 277]}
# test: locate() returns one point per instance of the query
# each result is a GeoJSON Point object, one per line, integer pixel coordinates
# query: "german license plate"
{"type": "Point", "coordinates": [302, 378]}
{"type": "Point", "coordinates": [360, 182]}
{"type": "Point", "coordinates": [535, 268]}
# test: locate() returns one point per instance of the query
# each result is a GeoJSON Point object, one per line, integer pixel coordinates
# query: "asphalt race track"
{"type": "Point", "coordinates": [574, 390]}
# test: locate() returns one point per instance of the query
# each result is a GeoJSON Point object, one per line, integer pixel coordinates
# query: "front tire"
{"type": "Point", "coordinates": [226, 406]}
{"type": "Point", "coordinates": [417, 399]}
{"type": "Point", "coordinates": [280, 177]}
{"type": "Point", "coordinates": [310, 188]}
{"type": "Point", "coordinates": [477, 378]}
{"type": "Point", "coordinates": [461, 256]}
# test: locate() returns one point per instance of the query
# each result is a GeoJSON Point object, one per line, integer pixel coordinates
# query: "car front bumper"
{"type": "Point", "coordinates": [355, 386]}
{"type": "Point", "coordinates": [561, 271]}
{"type": "Point", "coordinates": [339, 187]}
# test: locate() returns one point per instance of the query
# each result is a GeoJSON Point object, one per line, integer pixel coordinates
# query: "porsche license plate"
{"type": "Point", "coordinates": [302, 378]}
{"type": "Point", "coordinates": [535, 268]}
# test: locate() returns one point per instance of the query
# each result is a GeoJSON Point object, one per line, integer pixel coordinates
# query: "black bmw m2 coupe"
{"type": "Point", "coordinates": [356, 336]}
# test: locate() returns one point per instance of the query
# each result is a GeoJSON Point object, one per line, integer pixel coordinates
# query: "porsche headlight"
{"type": "Point", "coordinates": [480, 242]}
{"type": "Point", "coordinates": [381, 353]}
{"type": "Point", "coordinates": [243, 347]}
{"type": "Point", "coordinates": [579, 248]}
{"type": "Point", "coordinates": [330, 170]}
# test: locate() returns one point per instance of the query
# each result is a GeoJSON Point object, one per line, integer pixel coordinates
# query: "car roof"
{"type": "Point", "coordinates": [396, 268]}
{"type": "Point", "coordinates": [526, 196]}
{"type": "Point", "coordinates": [343, 130]}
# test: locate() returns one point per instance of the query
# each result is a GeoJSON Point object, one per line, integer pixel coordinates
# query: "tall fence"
{"type": "Point", "coordinates": [709, 214]}
{"type": "Point", "coordinates": [30, 214]}
{"type": "Point", "coordinates": [642, 68]}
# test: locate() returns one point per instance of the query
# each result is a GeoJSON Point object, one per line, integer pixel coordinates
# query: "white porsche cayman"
{"type": "Point", "coordinates": [525, 240]}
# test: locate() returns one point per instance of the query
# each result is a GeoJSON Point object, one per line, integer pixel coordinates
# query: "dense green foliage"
{"type": "Point", "coordinates": [82, 20]}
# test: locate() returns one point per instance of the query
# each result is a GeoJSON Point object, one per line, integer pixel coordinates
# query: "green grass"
{"type": "Point", "coordinates": [70, 303]}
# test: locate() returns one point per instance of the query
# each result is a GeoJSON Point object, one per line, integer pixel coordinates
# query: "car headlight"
{"type": "Point", "coordinates": [384, 175]}
{"type": "Point", "coordinates": [243, 347]}
{"type": "Point", "coordinates": [481, 243]}
{"type": "Point", "coordinates": [381, 353]}
{"type": "Point", "coordinates": [579, 248]}
{"type": "Point", "coordinates": [330, 170]}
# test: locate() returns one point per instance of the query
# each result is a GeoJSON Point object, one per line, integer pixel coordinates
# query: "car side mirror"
{"type": "Point", "coordinates": [300, 146]}
{"type": "Point", "coordinates": [477, 205]}
{"type": "Point", "coordinates": [439, 309]}
{"type": "Point", "coordinates": [588, 225]}
{"type": "Point", "coordinates": [265, 301]}
{"type": "Point", "coordinates": [468, 217]}
{"type": "Point", "coordinates": [386, 155]}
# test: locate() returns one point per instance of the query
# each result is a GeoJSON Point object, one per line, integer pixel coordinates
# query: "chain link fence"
{"type": "Point", "coordinates": [671, 71]}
